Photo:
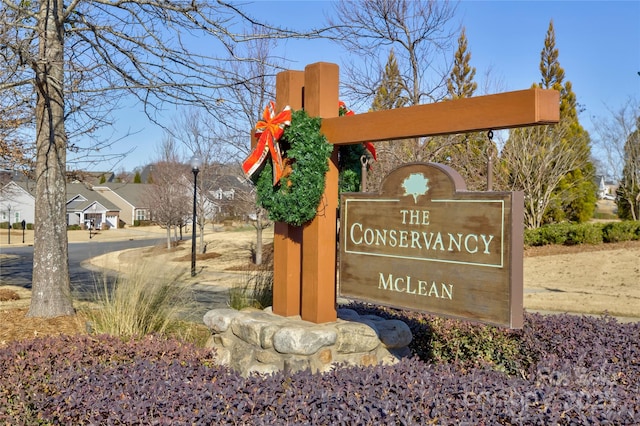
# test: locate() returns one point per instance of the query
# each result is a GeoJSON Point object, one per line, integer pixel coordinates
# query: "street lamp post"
{"type": "Point", "coordinates": [195, 168]}
{"type": "Point", "coordinates": [9, 228]}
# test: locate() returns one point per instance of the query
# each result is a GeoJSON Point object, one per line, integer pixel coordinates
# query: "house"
{"type": "Point", "coordinates": [607, 190]}
{"type": "Point", "coordinates": [84, 206]}
{"type": "Point", "coordinates": [89, 208]}
{"type": "Point", "coordinates": [130, 199]}
{"type": "Point", "coordinates": [231, 195]}
{"type": "Point", "coordinates": [17, 203]}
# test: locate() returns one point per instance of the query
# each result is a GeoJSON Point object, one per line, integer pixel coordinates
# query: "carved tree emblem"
{"type": "Point", "coordinates": [416, 184]}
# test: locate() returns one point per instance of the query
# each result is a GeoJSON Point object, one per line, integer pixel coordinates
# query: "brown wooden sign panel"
{"type": "Point", "coordinates": [425, 243]}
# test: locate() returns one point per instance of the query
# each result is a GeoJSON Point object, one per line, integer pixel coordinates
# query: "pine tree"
{"type": "Point", "coordinates": [388, 96]}
{"type": "Point", "coordinates": [575, 198]}
{"type": "Point", "coordinates": [465, 153]}
{"type": "Point", "coordinates": [552, 72]}
{"type": "Point", "coordinates": [137, 178]}
{"type": "Point", "coordinates": [572, 195]}
{"type": "Point", "coordinates": [389, 93]}
{"type": "Point", "coordinates": [460, 83]}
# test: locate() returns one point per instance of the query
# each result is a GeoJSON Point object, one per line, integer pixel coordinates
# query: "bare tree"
{"type": "Point", "coordinates": [78, 59]}
{"type": "Point", "coordinates": [613, 132]}
{"type": "Point", "coordinates": [251, 85]}
{"type": "Point", "coordinates": [419, 34]}
{"type": "Point", "coordinates": [168, 196]}
{"type": "Point", "coordinates": [403, 45]}
{"type": "Point", "coordinates": [194, 131]}
{"type": "Point", "coordinates": [619, 140]}
{"type": "Point", "coordinates": [535, 160]}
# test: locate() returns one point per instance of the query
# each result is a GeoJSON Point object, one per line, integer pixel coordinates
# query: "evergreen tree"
{"type": "Point", "coordinates": [389, 93]}
{"type": "Point", "coordinates": [552, 72]}
{"type": "Point", "coordinates": [137, 178]}
{"type": "Point", "coordinates": [576, 195]}
{"type": "Point", "coordinates": [388, 96]}
{"type": "Point", "coordinates": [460, 83]}
{"type": "Point", "coordinates": [573, 197]}
{"type": "Point", "coordinates": [466, 153]}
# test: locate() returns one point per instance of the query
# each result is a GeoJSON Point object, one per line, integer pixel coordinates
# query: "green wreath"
{"type": "Point", "coordinates": [295, 198]}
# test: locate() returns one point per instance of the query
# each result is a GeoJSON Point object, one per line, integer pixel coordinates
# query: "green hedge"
{"type": "Point", "coordinates": [583, 233]}
{"type": "Point", "coordinates": [137, 222]}
{"type": "Point", "coordinates": [15, 226]}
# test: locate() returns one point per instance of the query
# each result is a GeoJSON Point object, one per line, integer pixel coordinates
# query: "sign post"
{"type": "Point", "coordinates": [305, 257]}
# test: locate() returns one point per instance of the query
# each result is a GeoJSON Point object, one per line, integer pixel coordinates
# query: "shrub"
{"type": "Point", "coordinates": [621, 231]}
{"type": "Point", "coordinates": [74, 228]}
{"type": "Point", "coordinates": [582, 233]}
{"type": "Point", "coordinates": [468, 345]}
{"type": "Point", "coordinates": [547, 234]}
{"type": "Point", "coordinates": [141, 222]}
{"type": "Point", "coordinates": [583, 371]}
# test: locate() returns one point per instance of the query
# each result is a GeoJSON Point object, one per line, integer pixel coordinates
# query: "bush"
{"type": "Point", "coordinates": [142, 223]}
{"type": "Point", "coordinates": [628, 230]}
{"type": "Point", "coordinates": [15, 226]}
{"type": "Point", "coordinates": [547, 234]}
{"type": "Point", "coordinates": [582, 233]}
{"type": "Point", "coordinates": [74, 228]}
{"type": "Point", "coordinates": [582, 371]}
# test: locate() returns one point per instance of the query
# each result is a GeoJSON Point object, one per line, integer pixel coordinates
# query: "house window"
{"type": "Point", "coordinates": [141, 214]}
{"type": "Point", "coordinates": [17, 218]}
{"type": "Point", "coordinates": [3, 216]}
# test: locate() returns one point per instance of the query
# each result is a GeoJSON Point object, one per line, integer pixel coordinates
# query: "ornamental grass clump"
{"type": "Point", "coordinates": [255, 289]}
{"type": "Point", "coordinates": [145, 300]}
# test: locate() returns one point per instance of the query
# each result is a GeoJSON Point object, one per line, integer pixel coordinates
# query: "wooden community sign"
{"type": "Point", "coordinates": [425, 243]}
{"type": "Point", "coordinates": [304, 270]}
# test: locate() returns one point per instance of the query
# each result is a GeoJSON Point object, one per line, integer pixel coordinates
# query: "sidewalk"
{"type": "Point", "coordinates": [113, 234]}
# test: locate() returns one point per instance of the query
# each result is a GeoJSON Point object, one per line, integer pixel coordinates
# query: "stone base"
{"type": "Point", "coordinates": [253, 341]}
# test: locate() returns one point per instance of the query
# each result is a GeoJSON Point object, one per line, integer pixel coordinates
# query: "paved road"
{"type": "Point", "coordinates": [18, 270]}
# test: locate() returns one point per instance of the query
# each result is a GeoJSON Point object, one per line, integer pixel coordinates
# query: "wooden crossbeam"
{"type": "Point", "coordinates": [501, 111]}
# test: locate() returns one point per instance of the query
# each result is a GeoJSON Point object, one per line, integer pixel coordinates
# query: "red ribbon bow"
{"type": "Point", "coordinates": [342, 108]}
{"type": "Point", "coordinates": [268, 130]}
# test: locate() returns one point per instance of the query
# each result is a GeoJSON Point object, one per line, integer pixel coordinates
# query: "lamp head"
{"type": "Point", "coordinates": [195, 163]}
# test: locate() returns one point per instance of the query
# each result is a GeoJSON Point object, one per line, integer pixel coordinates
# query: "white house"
{"type": "Point", "coordinates": [607, 190]}
{"type": "Point", "coordinates": [84, 206]}
{"type": "Point", "coordinates": [17, 203]}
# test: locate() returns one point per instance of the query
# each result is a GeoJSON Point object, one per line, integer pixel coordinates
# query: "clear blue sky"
{"type": "Point", "coordinates": [598, 42]}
